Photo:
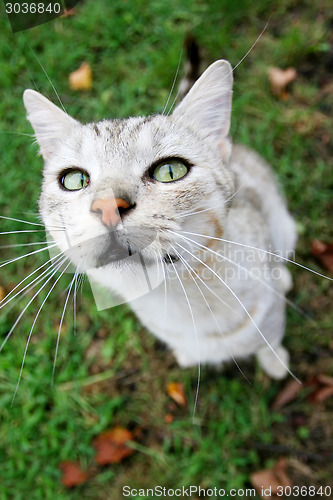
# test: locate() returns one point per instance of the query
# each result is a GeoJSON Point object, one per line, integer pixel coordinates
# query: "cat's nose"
{"type": "Point", "coordinates": [110, 210]}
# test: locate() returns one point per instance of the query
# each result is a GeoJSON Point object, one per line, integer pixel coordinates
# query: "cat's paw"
{"type": "Point", "coordinates": [183, 360]}
{"type": "Point", "coordinates": [276, 363]}
{"type": "Point", "coordinates": [286, 280]}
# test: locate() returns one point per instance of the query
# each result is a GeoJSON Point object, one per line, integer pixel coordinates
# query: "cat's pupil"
{"type": "Point", "coordinates": [74, 180]}
{"type": "Point", "coordinates": [169, 171]}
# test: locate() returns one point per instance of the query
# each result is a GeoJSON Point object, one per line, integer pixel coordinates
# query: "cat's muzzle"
{"type": "Point", "coordinates": [117, 246]}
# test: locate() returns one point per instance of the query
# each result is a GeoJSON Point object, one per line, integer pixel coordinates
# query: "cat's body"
{"type": "Point", "coordinates": [210, 300]}
{"type": "Point", "coordinates": [255, 218]}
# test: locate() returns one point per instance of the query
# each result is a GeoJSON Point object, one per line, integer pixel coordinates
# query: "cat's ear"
{"type": "Point", "coordinates": [51, 124]}
{"type": "Point", "coordinates": [207, 106]}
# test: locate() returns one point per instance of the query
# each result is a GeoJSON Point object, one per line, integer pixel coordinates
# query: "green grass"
{"type": "Point", "coordinates": [134, 48]}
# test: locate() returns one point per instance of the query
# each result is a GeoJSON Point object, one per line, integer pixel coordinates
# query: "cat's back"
{"type": "Point", "coordinates": [258, 193]}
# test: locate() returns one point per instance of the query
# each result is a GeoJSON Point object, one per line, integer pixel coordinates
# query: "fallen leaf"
{"type": "Point", "coordinates": [73, 475]}
{"type": "Point", "coordinates": [168, 418]}
{"type": "Point", "coordinates": [321, 394]}
{"type": "Point", "coordinates": [325, 379]}
{"type": "Point", "coordinates": [81, 79]}
{"type": "Point", "coordinates": [69, 12]}
{"type": "Point", "coordinates": [176, 391]}
{"type": "Point", "coordinates": [111, 446]}
{"type": "Point", "coordinates": [323, 252]}
{"type": "Point", "coordinates": [2, 293]}
{"type": "Point", "coordinates": [267, 481]}
{"type": "Point", "coordinates": [287, 394]}
{"type": "Point", "coordinates": [323, 390]}
{"type": "Point", "coordinates": [279, 79]}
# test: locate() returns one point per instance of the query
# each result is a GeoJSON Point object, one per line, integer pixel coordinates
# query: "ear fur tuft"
{"type": "Point", "coordinates": [50, 123]}
{"type": "Point", "coordinates": [207, 106]}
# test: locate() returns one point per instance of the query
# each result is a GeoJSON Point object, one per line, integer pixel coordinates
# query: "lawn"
{"type": "Point", "coordinates": [109, 371]}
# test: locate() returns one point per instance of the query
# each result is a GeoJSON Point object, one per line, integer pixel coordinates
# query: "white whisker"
{"type": "Point", "coordinates": [191, 270]}
{"type": "Point", "coordinates": [24, 244]}
{"type": "Point", "coordinates": [194, 212]}
{"type": "Point", "coordinates": [27, 255]}
{"type": "Point", "coordinates": [33, 325]}
{"type": "Point", "coordinates": [49, 79]}
{"type": "Point", "coordinates": [196, 338]}
{"type": "Point", "coordinates": [252, 46]}
{"type": "Point", "coordinates": [20, 220]}
{"type": "Point", "coordinates": [165, 290]}
{"type": "Point", "coordinates": [245, 310]}
{"type": "Point", "coordinates": [74, 301]}
{"type": "Point", "coordinates": [259, 250]}
{"type": "Point", "coordinates": [25, 308]}
{"type": "Point", "coordinates": [250, 274]}
{"type": "Point", "coordinates": [23, 231]}
{"type": "Point", "coordinates": [233, 195]}
{"type": "Point", "coordinates": [29, 285]}
{"type": "Point", "coordinates": [16, 133]}
{"type": "Point", "coordinates": [60, 326]}
{"type": "Point", "coordinates": [215, 294]}
{"type": "Point", "coordinates": [173, 83]}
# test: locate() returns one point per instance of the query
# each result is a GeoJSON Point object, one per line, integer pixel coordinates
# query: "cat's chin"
{"type": "Point", "coordinates": [114, 253]}
{"type": "Point", "coordinates": [118, 257]}
{"type": "Point", "coordinates": [111, 249]}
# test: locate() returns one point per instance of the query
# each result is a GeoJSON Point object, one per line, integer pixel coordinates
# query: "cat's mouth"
{"type": "Point", "coordinates": [117, 247]}
{"type": "Point", "coordinates": [113, 252]}
{"type": "Point", "coordinates": [117, 253]}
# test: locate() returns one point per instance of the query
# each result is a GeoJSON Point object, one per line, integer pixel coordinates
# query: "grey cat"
{"type": "Point", "coordinates": [169, 201]}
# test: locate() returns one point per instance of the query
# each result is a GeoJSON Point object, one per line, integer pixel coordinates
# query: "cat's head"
{"type": "Point", "coordinates": [117, 187]}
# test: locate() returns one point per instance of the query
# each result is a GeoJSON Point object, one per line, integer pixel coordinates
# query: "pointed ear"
{"type": "Point", "coordinates": [51, 125]}
{"type": "Point", "coordinates": [207, 106]}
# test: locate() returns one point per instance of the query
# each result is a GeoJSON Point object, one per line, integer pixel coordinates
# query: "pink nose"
{"type": "Point", "coordinates": [109, 210]}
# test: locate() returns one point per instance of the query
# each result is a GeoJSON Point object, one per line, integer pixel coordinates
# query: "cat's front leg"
{"type": "Point", "coordinates": [274, 362]}
{"type": "Point", "coordinates": [184, 360]}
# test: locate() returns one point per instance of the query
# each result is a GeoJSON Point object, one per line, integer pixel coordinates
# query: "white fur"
{"type": "Point", "coordinates": [233, 304]}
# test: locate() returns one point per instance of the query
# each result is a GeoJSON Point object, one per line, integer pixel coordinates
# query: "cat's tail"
{"type": "Point", "coordinates": [193, 66]}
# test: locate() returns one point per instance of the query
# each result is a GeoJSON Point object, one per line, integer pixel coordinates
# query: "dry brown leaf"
{"type": "Point", "coordinates": [324, 253]}
{"type": "Point", "coordinates": [267, 481]}
{"type": "Point", "coordinates": [287, 394]}
{"type": "Point", "coordinates": [323, 388]}
{"type": "Point", "coordinates": [69, 12]}
{"type": "Point", "coordinates": [325, 379]}
{"type": "Point", "coordinates": [176, 391]}
{"type": "Point", "coordinates": [81, 79]}
{"type": "Point", "coordinates": [168, 418]}
{"type": "Point", "coordinates": [111, 446]}
{"type": "Point", "coordinates": [73, 475]}
{"type": "Point", "coordinates": [2, 293]}
{"type": "Point", "coordinates": [279, 79]}
{"type": "Point", "coordinates": [321, 394]}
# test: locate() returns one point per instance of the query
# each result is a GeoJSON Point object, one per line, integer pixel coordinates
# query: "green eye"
{"type": "Point", "coordinates": [75, 180]}
{"type": "Point", "coordinates": [169, 171]}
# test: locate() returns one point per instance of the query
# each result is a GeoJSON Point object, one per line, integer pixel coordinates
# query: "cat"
{"type": "Point", "coordinates": [169, 201]}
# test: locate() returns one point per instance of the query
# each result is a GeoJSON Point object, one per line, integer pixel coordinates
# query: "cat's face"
{"type": "Point", "coordinates": [117, 187]}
